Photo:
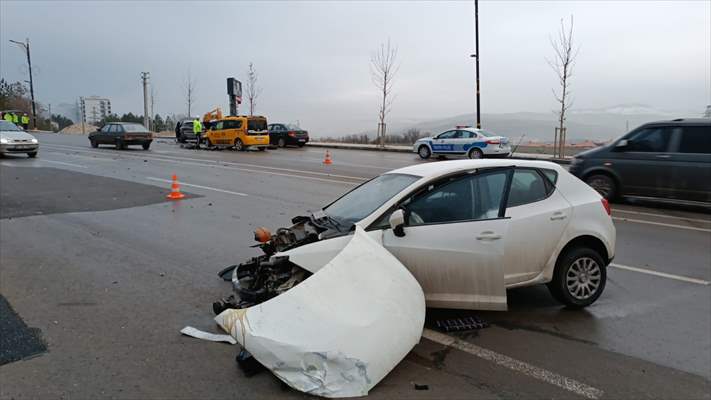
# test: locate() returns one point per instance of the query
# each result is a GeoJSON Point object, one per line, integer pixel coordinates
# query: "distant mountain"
{"type": "Point", "coordinates": [583, 124]}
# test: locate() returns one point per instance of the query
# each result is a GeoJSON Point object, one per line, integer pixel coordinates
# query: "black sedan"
{"type": "Point", "coordinates": [121, 134]}
{"type": "Point", "coordinates": [283, 135]}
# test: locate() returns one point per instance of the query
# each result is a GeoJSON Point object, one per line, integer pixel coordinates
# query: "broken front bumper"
{"type": "Point", "coordinates": [341, 330]}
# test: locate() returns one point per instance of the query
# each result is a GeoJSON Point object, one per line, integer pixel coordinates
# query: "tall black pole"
{"type": "Point", "coordinates": [32, 87]}
{"type": "Point", "coordinates": [476, 34]}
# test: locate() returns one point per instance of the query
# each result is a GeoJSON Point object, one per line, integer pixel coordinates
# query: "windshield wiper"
{"type": "Point", "coordinates": [321, 215]}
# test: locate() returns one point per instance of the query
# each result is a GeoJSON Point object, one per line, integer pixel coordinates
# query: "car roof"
{"type": "Point", "coordinates": [682, 121]}
{"type": "Point", "coordinates": [437, 168]}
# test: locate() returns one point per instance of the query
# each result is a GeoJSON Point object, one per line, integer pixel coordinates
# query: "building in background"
{"type": "Point", "coordinates": [94, 108]}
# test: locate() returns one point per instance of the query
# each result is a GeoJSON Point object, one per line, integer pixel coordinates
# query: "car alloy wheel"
{"type": "Point", "coordinates": [583, 278]}
{"type": "Point", "coordinates": [603, 184]}
{"type": "Point", "coordinates": [424, 152]}
{"type": "Point", "coordinates": [238, 145]}
{"type": "Point", "coordinates": [475, 154]}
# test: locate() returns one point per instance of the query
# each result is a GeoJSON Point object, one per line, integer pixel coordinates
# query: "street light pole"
{"type": "Point", "coordinates": [144, 78]}
{"type": "Point", "coordinates": [476, 56]}
{"type": "Point", "coordinates": [26, 47]}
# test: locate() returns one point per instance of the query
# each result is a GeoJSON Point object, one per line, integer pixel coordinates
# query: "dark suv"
{"type": "Point", "coordinates": [665, 159]}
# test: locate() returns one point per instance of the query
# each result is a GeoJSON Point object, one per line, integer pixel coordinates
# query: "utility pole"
{"type": "Point", "coordinates": [476, 56]}
{"type": "Point", "coordinates": [144, 78]}
{"type": "Point", "coordinates": [26, 46]}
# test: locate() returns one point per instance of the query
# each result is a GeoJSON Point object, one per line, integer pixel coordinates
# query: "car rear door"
{"type": "Point", "coordinates": [538, 216]}
{"type": "Point", "coordinates": [454, 240]}
{"type": "Point", "coordinates": [690, 163]}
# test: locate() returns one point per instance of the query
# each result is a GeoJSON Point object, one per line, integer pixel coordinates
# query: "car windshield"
{"type": "Point", "coordinates": [8, 126]}
{"type": "Point", "coordinates": [366, 198]}
{"type": "Point", "coordinates": [486, 133]}
{"type": "Point", "coordinates": [134, 128]}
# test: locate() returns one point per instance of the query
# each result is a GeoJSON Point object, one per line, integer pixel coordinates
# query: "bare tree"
{"type": "Point", "coordinates": [253, 91]}
{"type": "Point", "coordinates": [562, 64]}
{"type": "Point", "coordinates": [383, 71]}
{"type": "Point", "coordinates": [189, 93]}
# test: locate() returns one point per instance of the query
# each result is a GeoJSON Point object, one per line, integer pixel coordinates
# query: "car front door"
{"type": "Point", "coordinates": [643, 164]}
{"type": "Point", "coordinates": [454, 238]}
{"type": "Point", "coordinates": [105, 134]}
{"type": "Point", "coordinates": [443, 142]}
{"type": "Point", "coordinates": [538, 216]}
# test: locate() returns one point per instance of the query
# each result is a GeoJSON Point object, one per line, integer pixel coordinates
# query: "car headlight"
{"type": "Point", "coordinates": [4, 141]}
{"type": "Point", "coordinates": [33, 140]}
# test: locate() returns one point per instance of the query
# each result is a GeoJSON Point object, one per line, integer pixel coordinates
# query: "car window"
{"type": "Point", "coordinates": [467, 198]}
{"type": "Point", "coordinates": [695, 139]}
{"type": "Point", "coordinates": [218, 126]}
{"type": "Point", "coordinates": [447, 135]}
{"type": "Point", "coordinates": [654, 139]}
{"type": "Point", "coordinates": [527, 186]}
{"type": "Point", "coordinates": [106, 128]}
{"type": "Point", "coordinates": [467, 134]}
{"type": "Point", "coordinates": [256, 124]}
{"type": "Point", "coordinates": [551, 175]}
{"type": "Point", "coordinates": [133, 128]}
{"type": "Point", "coordinates": [232, 124]}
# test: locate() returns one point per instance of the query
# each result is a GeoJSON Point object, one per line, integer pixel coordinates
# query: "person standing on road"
{"type": "Point", "coordinates": [25, 121]}
{"type": "Point", "coordinates": [7, 117]}
{"type": "Point", "coordinates": [15, 119]}
{"type": "Point", "coordinates": [197, 130]}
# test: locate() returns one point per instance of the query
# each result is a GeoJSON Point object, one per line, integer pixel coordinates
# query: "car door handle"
{"type": "Point", "coordinates": [558, 216]}
{"type": "Point", "coordinates": [488, 235]}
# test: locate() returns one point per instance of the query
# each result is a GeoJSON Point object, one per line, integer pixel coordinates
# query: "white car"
{"type": "Point", "coordinates": [14, 140]}
{"type": "Point", "coordinates": [471, 142]}
{"type": "Point", "coordinates": [454, 234]}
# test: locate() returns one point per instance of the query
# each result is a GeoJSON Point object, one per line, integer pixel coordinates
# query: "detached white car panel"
{"type": "Point", "coordinates": [338, 333]}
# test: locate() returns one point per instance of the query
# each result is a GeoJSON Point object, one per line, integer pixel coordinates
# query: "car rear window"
{"type": "Point", "coordinates": [695, 139]}
{"type": "Point", "coordinates": [133, 128]}
{"type": "Point", "coordinates": [527, 186]}
{"type": "Point", "coordinates": [257, 125]}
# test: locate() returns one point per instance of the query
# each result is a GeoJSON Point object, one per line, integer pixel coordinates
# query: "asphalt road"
{"type": "Point", "coordinates": [111, 274]}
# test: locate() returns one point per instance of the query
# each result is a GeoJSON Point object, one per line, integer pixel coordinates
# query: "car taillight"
{"type": "Point", "coordinates": [606, 206]}
{"type": "Point", "coordinates": [493, 141]}
{"type": "Point", "coordinates": [292, 134]}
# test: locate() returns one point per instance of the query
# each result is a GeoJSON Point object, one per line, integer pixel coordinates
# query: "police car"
{"type": "Point", "coordinates": [464, 140]}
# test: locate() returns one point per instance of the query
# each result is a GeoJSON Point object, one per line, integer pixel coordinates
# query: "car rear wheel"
{"type": "Point", "coordinates": [238, 145]}
{"type": "Point", "coordinates": [603, 184]}
{"type": "Point", "coordinates": [579, 277]}
{"type": "Point", "coordinates": [281, 143]}
{"type": "Point", "coordinates": [475, 154]}
{"type": "Point", "coordinates": [146, 146]}
{"type": "Point", "coordinates": [94, 144]}
{"type": "Point", "coordinates": [424, 152]}
{"type": "Point", "coordinates": [32, 154]}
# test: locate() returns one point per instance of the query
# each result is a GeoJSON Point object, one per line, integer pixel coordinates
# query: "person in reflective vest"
{"type": "Point", "coordinates": [7, 117]}
{"type": "Point", "coordinates": [197, 130]}
{"type": "Point", "coordinates": [25, 121]}
{"type": "Point", "coordinates": [15, 119]}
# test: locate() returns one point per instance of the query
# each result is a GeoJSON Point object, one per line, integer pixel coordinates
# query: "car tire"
{"type": "Point", "coordinates": [281, 143]}
{"type": "Point", "coordinates": [146, 146]}
{"type": "Point", "coordinates": [94, 144]}
{"type": "Point", "coordinates": [603, 184]}
{"type": "Point", "coordinates": [32, 154]}
{"type": "Point", "coordinates": [261, 148]}
{"type": "Point", "coordinates": [120, 145]}
{"type": "Point", "coordinates": [238, 145]}
{"type": "Point", "coordinates": [424, 152]}
{"type": "Point", "coordinates": [301, 144]}
{"type": "Point", "coordinates": [579, 277]}
{"type": "Point", "coordinates": [475, 154]}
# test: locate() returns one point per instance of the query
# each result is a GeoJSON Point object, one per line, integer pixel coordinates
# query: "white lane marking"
{"type": "Point", "coordinates": [64, 163]}
{"type": "Point", "coordinates": [513, 364]}
{"type": "Point", "coordinates": [222, 165]}
{"type": "Point", "coordinates": [197, 186]}
{"type": "Point", "coordinates": [614, 210]}
{"type": "Point", "coordinates": [661, 274]}
{"type": "Point", "coordinates": [218, 162]}
{"type": "Point", "coordinates": [639, 221]}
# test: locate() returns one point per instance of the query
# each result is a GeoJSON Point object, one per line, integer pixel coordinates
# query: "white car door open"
{"type": "Point", "coordinates": [454, 239]}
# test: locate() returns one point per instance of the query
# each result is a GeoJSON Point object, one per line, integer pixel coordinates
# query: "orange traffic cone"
{"type": "Point", "coordinates": [175, 192]}
{"type": "Point", "coordinates": [327, 160]}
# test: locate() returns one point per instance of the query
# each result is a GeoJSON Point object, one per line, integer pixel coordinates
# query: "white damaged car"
{"type": "Point", "coordinates": [454, 234]}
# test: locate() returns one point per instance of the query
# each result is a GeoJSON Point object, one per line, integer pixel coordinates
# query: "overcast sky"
{"type": "Point", "coordinates": [313, 57]}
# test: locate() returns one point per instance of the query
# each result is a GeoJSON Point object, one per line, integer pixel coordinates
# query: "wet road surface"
{"type": "Point", "coordinates": [110, 277]}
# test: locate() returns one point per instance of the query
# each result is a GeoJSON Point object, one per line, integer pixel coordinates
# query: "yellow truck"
{"type": "Point", "coordinates": [238, 132]}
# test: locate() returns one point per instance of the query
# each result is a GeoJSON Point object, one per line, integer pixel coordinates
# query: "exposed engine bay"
{"type": "Point", "coordinates": [264, 277]}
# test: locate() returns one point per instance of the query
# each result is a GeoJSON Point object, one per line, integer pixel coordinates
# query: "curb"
{"type": "Point", "coordinates": [402, 150]}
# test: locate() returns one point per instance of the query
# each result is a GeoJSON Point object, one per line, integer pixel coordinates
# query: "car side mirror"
{"type": "Point", "coordinates": [622, 144]}
{"type": "Point", "coordinates": [397, 222]}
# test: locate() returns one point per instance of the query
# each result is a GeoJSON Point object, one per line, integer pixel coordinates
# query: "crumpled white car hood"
{"type": "Point", "coordinates": [338, 333]}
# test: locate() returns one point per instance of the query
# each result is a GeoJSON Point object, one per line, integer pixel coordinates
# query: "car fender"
{"type": "Point", "coordinates": [601, 169]}
{"type": "Point", "coordinates": [343, 329]}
